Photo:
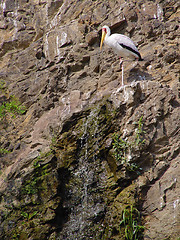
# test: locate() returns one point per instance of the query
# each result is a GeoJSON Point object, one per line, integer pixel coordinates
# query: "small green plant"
{"type": "Point", "coordinates": [139, 140]}
{"type": "Point", "coordinates": [39, 169]}
{"type": "Point", "coordinates": [120, 147]}
{"type": "Point", "coordinates": [30, 187]}
{"type": "Point", "coordinates": [28, 216]}
{"type": "Point", "coordinates": [33, 185]}
{"type": "Point", "coordinates": [53, 141]}
{"type": "Point", "coordinates": [3, 151]}
{"type": "Point", "coordinates": [123, 148]}
{"type": "Point", "coordinates": [2, 85]}
{"type": "Point", "coordinates": [122, 152]}
{"type": "Point", "coordinates": [12, 107]}
{"type": "Point", "coordinates": [130, 224]}
{"type": "Point", "coordinates": [16, 236]}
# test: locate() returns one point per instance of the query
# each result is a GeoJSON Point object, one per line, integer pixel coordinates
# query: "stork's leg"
{"type": "Point", "coordinates": [122, 68]}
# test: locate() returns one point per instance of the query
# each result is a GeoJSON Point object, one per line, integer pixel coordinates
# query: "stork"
{"type": "Point", "coordinates": [122, 45]}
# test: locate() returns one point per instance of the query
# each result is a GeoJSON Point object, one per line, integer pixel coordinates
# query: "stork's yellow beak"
{"type": "Point", "coordinates": [102, 38]}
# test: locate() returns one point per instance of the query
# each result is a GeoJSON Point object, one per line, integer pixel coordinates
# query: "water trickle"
{"type": "Point", "coordinates": [86, 180]}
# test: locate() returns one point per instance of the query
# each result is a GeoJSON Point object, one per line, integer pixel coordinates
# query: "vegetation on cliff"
{"type": "Point", "coordinates": [82, 157]}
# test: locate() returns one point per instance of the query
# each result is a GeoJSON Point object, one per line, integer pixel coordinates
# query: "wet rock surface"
{"type": "Point", "coordinates": [60, 178]}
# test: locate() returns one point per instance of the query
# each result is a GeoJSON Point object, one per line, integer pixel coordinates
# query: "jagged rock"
{"type": "Point", "coordinates": [92, 38]}
{"type": "Point", "coordinates": [61, 178]}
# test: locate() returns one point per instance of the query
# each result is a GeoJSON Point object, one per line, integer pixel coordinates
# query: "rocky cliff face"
{"type": "Point", "coordinates": [87, 148]}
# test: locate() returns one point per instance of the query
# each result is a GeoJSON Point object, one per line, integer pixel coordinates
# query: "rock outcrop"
{"type": "Point", "coordinates": [87, 148]}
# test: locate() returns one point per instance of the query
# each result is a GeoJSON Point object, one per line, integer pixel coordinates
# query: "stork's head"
{"type": "Point", "coordinates": [105, 32]}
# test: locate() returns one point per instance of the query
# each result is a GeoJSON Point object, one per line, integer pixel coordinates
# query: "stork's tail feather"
{"type": "Point", "coordinates": [140, 58]}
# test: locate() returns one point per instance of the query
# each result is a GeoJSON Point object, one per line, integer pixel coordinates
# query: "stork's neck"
{"type": "Point", "coordinates": [108, 32]}
{"type": "Point", "coordinates": [106, 39]}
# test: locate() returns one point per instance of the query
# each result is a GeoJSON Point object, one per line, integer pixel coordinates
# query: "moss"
{"type": "Point", "coordinates": [66, 148]}
{"type": "Point", "coordinates": [86, 138]}
{"type": "Point", "coordinates": [2, 85]}
{"type": "Point", "coordinates": [125, 197]}
{"type": "Point", "coordinates": [88, 129]}
{"type": "Point", "coordinates": [117, 204]}
{"type": "Point", "coordinates": [28, 219]}
{"type": "Point", "coordinates": [34, 184]}
{"type": "Point", "coordinates": [35, 194]}
{"type": "Point", "coordinates": [112, 164]}
{"type": "Point", "coordinates": [27, 229]}
{"type": "Point", "coordinates": [19, 235]}
{"type": "Point", "coordinates": [44, 192]}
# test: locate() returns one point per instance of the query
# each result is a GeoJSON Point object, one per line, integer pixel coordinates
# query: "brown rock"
{"type": "Point", "coordinates": [92, 38]}
{"type": "Point", "coordinates": [61, 177]}
{"type": "Point", "coordinates": [130, 14]}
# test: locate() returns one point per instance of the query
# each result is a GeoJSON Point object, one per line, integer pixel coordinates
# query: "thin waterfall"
{"type": "Point", "coordinates": [83, 202]}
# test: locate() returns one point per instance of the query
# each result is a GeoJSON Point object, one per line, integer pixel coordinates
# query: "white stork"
{"type": "Point", "coordinates": [121, 44]}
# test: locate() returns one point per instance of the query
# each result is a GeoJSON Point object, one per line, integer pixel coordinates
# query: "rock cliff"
{"type": "Point", "coordinates": [78, 149]}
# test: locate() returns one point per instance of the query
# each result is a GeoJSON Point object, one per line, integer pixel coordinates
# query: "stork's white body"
{"type": "Point", "coordinates": [116, 40]}
{"type": "Point", "coordinates": [122, 45]}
